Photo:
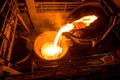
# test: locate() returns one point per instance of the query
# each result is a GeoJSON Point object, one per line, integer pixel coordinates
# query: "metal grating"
{"type": "Point", "coordinates": [56, 6]}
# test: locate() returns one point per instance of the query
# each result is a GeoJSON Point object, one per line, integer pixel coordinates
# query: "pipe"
{"type": "Point", "coordinates": [23, 23]}
{"type": "Point", "coordinates": [10, 70]}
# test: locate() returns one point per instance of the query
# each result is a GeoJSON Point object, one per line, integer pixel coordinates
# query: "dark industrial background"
{"type": "Point", "coordinates": [21, 21]}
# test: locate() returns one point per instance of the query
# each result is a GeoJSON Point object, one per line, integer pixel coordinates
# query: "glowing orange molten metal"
{"type": "Point", "coordinates": [53, 51]}
{"type": "Point", "coordinates": [44, 46]}
{"type": "Point", "coordinates": [87, 20]}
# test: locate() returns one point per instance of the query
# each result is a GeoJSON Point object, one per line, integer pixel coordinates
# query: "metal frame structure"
{"type": "Point", "coordinates": [9, 17]}
{"type": "Point", "coordinates": [55, 6]}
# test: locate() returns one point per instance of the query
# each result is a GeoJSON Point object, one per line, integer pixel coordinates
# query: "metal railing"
{"type": "Point", "coordinates": [56, 6]}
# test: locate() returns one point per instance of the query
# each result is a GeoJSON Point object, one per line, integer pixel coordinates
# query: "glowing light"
{"type": "Point", "coordinates": [50, 52]}
{"type": "Point", "coordinates": [87, 19]}
{"type": "Point", "coordinates": [54, 51]}
{"type": "Point", "coordinates": [65, 28]}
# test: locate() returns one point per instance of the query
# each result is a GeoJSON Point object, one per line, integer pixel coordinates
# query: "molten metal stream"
{"type": "Point", "coordinates": [53, 51]}
{"type": "Point", "coordinates": [87, 20]}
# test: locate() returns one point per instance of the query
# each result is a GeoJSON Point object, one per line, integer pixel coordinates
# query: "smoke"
{"type": "Point", "coordinates": [49, 21]}
{"type": "Point", "coordinates": [44, 22]}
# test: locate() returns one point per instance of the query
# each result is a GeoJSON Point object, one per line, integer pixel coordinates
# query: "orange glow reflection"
{"type": "Point", "coordinates": [53, 51]}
